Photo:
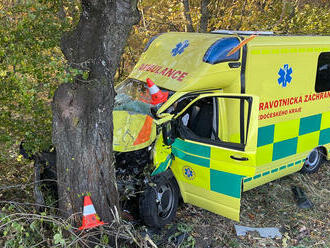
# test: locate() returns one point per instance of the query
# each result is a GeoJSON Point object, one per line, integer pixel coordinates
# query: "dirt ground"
{"type": "Point", "coordinates": [270, 205]}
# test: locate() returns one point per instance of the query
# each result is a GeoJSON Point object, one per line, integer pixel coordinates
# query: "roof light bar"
{"type": "Point", "coordinates": [239, 32]}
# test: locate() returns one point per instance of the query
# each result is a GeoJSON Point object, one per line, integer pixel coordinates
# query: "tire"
{"type": "Point", "coordinates": [158, 204]}
{"type": "Point", "coordinates": [314, 160]}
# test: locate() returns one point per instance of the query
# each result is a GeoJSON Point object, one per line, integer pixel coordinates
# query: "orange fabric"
{"type": "Point", "coordinates": [145, 132]}
{"type": "Point", "coordinates": [232, 51]}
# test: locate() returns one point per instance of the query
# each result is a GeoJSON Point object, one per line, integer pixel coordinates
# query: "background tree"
{"type": "Point", "coordinates": [82, 110]}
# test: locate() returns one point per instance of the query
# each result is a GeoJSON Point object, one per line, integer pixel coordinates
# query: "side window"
{"type": "Point", "coordinates": [199, 120]}
{"type": "Point", "coordinates": [323, 73]}
{"type": "Point", "coordinates": [220, 121]}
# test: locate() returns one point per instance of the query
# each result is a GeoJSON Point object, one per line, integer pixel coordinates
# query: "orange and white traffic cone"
{"type": "Point", "coordinates": [157, 96]}
{"type": "Point", "coordinates": [90, 218]}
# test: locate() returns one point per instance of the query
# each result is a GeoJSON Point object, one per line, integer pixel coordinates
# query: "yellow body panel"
{"type": "Point", "coordinates": [287, 119]}
{"type": "Point", "coordinates": [189, 64]}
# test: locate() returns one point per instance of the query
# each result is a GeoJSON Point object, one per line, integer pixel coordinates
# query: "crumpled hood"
{"type": "Point", "coordinates": [132, 131]}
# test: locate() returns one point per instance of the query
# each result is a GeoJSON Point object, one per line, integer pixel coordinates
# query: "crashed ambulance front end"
{"type": "Point", "coordinates": [188, 69]}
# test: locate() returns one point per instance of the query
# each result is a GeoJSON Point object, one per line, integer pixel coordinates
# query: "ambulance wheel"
{"type": "Point", "coordinates": [314, 160]}
{"type": "Point", "coordinates": [158, 204]}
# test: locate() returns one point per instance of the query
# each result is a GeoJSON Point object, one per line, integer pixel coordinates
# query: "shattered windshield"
{"type": "Point", "coordinates": [133, 95]}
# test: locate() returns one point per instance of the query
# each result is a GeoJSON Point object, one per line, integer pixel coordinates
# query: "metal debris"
{"type": "Point", "coordinates": [264, 232]}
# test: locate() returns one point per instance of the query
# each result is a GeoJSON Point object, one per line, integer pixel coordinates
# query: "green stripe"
{"type": "Point", "coordinates": [163, 166]}
{"type": "Point", "coordinates": [265, 173]}
{"type": "Point", "coordinates": [285, 148]}
{"type": "Point", "coordinates": [266, 135]}
{"type": "Point", "coordinates": [324, 136]}
{"type": "Point", "coordinates": [226, 183]}
{"type": "Point", "coordinates": [192, 148]}
{"type": "Point", "coordinates": [257, 176]}
{"type": "Point", "coordinates": [190, 158]}
{"type": "Point", "coordinates": [272, 171]}
{"type": "Point", "coordinates": [310, 124]}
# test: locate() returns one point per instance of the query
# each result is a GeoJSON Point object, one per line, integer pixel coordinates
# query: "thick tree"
{"type": "Point", "coordinates": [82, 111]}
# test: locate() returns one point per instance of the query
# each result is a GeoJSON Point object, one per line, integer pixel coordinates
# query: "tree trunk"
{"type": "Point", "coordinates": [82, 111]}
{"type": "Point", "coordinates": [204, 16]}
{"type": "Point", "coordinates": [187, 15]}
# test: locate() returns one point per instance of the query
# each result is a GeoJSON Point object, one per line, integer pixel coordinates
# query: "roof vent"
{"type": "Point", "coordinates": [242, 32]}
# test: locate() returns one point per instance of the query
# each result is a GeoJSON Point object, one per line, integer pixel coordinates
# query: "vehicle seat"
{"type": "Point", "coordinates": [201, 125]}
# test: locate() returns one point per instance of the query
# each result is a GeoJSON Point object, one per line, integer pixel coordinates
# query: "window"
{"type": "Point", "coordinates": [323, 73]}
{"type": "Point", "coordinates": [216, 120]}
{"type": "Point", "coordinates": [199, 120]}
{"type": "Point", "coordinates": [219, 50]}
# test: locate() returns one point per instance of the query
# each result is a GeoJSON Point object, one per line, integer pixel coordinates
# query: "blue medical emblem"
{"type": "Point", "coordinates": [180, 48]}
{"type": "Point", "coordinates": [285, 75]}
{"type": "Point", "coordinates": [188, 172]}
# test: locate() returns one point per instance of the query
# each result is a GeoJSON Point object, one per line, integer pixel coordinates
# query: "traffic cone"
{"type": "Point", "coordinates": [90, 218]}
{"type": "Point", "coordinates": [157, 96]}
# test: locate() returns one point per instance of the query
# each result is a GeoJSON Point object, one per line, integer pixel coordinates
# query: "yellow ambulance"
{"type": "Point", "coordinates": [241, 109]}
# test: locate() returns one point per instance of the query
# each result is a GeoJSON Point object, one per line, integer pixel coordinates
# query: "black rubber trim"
{"type": "Point", "coordinates": [250, 101]}
{"type": "Point", "coordinates": [240, 159]}
{"type": "Point", "coordinates": [243, 69]}
{"type": "Point", "coordinates": [217, 114]}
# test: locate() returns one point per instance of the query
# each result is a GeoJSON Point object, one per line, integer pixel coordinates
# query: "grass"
{"type": "Point", "coordinates": [270, 205]}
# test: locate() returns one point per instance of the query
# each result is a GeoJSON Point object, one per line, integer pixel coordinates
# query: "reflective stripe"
{"type": "Point", "coordinates": [89, 210]}
{"type": "Point", "coordinates": [153, 89]}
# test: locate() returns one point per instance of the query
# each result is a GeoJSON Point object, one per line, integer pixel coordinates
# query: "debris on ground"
{"type": "Point", "coordinates": [264, 232]}
{"type": "Point", "coordinates": [301, 198]}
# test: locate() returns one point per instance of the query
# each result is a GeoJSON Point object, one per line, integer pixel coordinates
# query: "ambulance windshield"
{"type": "Point", "coordinates": [134, 96]}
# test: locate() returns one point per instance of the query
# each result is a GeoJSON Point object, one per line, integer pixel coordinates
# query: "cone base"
{"type": "Point", "coordinates": [91, 225]}
{"type": "Point", "coordinates": [163, 98]}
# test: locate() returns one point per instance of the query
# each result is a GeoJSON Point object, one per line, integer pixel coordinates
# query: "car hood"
{"type": "Point", "coordinates": [132, 131]}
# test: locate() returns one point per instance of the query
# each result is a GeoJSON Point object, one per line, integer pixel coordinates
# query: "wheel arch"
{"type": "Point", "coordinates": [324, 151]}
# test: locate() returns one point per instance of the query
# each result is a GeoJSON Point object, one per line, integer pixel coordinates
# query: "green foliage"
{"type": "Point", "coordinates": [19, 229]}
{"type": "Point", "coordinates": [280, 16]}
{"type": "Point", "coordinates": [31, 67]}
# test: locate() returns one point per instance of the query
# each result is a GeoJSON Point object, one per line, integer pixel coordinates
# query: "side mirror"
{"type": "Point", "coordinates": [168, 130]}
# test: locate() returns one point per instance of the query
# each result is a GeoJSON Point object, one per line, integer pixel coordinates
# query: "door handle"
{"type": "Point", "coordinates": [240, 159]}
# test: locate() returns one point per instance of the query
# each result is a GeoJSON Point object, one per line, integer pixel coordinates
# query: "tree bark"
{"type": "Point", "coordinates": [187, 15]}
{"type": "Point", "coordinates": [82, 111]}
{"type": "Point", "coordinates": [204, 16]}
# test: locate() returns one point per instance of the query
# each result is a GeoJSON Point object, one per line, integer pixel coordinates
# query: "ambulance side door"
{"type": "Point", "coordinates": [215, 149]}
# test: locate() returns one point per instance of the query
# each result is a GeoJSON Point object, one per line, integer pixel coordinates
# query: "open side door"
{"type": "Point", "coordinates": [215, 149]}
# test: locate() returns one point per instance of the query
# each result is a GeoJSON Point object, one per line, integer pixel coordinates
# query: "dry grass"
{"type": "Point", "coordinates": [270, 205]}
